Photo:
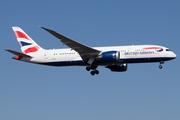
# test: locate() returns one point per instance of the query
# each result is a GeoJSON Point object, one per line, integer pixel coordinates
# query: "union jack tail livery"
{"type": "Point", "coordinates": [26, 43]}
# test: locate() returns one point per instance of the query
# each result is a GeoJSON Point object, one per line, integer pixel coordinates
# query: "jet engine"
{"type": "Point", "coordinates": [110, 56]}
{"type": "Point", "coordinates": [118, 68]}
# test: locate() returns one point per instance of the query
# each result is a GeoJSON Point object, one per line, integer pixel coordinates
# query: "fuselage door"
{"type": "Point", "coordinates": [46, 58]}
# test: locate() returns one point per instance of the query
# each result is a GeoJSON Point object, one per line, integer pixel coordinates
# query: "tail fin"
{"type": "Point", "coordinates": [26, 43]}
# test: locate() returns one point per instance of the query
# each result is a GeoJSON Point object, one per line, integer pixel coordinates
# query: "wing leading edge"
{"type": "Point", "coordinates": [86, 53]}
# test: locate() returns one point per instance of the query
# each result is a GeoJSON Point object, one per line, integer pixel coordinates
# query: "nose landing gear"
{"type": "Point", "coordinates": [160, 66]}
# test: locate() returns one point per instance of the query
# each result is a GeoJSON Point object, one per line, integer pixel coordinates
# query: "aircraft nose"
{"type": "Point", "coordinates": [174, 55]}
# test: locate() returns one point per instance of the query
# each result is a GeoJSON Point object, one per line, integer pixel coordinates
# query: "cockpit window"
{"type": "Point", "coordinates": [168, 50]}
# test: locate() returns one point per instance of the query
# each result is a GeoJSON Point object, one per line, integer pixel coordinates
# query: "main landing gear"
{"type": "Point", "coordinates": [94, 70]}
{"type": "Point", "coordinates": [160, 66]}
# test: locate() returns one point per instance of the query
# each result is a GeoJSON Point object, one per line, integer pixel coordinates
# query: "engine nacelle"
{"type": "Point", "coordinates": [110, 56]}
{"type": "Point", "coordinates": [118, 68]}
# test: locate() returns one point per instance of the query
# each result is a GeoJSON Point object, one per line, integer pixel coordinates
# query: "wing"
{"type": "Point", "coordinates": [86, 53]}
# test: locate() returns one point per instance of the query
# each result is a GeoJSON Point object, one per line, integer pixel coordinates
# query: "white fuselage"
{"type": "Point", "coordinates": [128, 54]}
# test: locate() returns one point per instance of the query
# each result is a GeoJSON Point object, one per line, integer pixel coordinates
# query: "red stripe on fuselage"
{"type": "Point", "coordinates": [32, 49]}
{"type": "Point", "coordinates": [153, 48]}
{"type": "Point", "coordinates": [21, 35]}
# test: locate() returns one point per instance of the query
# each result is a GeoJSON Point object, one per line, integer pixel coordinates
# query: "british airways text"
{"type": "Point", "coordinates": [137, 53]}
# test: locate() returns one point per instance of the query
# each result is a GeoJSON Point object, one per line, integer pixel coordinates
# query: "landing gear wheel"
{"type": "Point", "coordinates": [96, 71]}
{"type": "Point", "coordinates": [88, 68]}
{"type": "Point", "coordinates": [92, 72]}
{"type": "Point", "coordinates": [160, 66]}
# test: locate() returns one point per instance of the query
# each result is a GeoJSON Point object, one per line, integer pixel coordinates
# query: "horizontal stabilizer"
{"type": "Point", "coordinates": [17, 53]}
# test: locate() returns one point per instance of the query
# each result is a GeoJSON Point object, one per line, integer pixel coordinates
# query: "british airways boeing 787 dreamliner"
{"type": "Point", "coordinates": [115, 58]}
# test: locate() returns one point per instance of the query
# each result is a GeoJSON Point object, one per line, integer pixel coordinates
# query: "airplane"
{"type": "Point", "coordinates": [115, 58]}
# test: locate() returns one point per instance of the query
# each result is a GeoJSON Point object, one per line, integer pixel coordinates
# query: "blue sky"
{"type": "Point", "coordinates": [144, 92]}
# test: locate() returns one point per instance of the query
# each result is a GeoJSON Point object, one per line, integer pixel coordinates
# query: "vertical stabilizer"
{"type": "Point", "coordinates": [26, 43]}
